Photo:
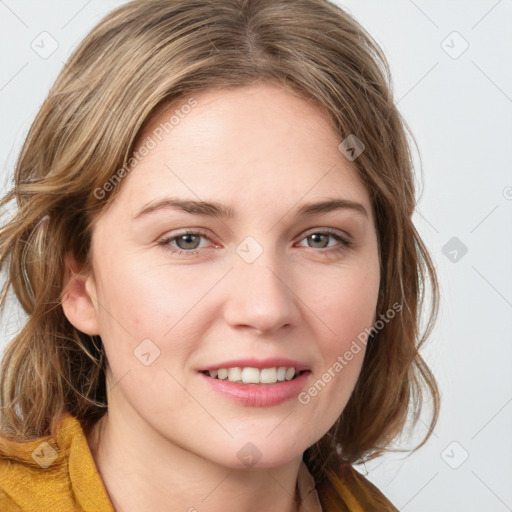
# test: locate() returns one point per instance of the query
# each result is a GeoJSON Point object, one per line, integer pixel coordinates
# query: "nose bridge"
{"type": "Point", "coordinates": [261, 295]}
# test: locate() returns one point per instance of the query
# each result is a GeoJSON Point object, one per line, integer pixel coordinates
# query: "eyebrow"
{"type": "Point", "coordinates": [219, 210]}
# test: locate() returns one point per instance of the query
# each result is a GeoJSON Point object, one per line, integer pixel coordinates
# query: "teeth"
{"type": "Point", "coordinates": [268, 375]}
{"type": "Point", "coordinates": [290, 373]}
{"type": "Point", "coordinates": [250, 375]}
{"type": "Point", "coordinates": [234, 374]}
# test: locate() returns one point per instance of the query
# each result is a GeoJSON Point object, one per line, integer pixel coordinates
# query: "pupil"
{"type": "Point", "coordinates": [186, 239]}
{"type": "Point", "coordinates": [315, 237]}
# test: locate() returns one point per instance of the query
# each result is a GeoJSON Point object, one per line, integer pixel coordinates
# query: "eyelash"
{"type": "Point", "coordinates": [344, 243]}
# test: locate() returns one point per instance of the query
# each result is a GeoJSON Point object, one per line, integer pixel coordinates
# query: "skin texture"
{"type": "Point", "coordinates": [168, 442]}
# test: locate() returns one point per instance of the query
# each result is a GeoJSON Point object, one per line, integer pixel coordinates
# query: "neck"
{"type": "Point", "coordinates": [143, 471]}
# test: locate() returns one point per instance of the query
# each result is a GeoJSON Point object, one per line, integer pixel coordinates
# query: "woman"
{"type": "Point", "coordinates": [215, 250]}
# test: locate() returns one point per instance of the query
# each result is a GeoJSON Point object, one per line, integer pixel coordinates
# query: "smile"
{"type": "Point", "coordinates": [257, 394]}
{"type": "Point", "coordinates": [249, 375]}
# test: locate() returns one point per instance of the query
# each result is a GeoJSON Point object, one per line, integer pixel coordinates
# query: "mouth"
{"type": "Point", "coordinates": [257, 387]}
{"type": "Point", "coordinates": [251, 375]}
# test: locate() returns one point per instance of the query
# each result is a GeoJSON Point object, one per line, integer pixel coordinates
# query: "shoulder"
{"type": "Point", "coordinates": [51, 473]}
{"type": "Point", "coordinates": [350, 489]}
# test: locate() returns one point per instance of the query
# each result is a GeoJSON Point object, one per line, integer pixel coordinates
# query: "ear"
{"type": "Point", "coordinates": [78, 297]}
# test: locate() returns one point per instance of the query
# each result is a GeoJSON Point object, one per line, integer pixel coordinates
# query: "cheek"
{"type": "Point", "coordinates": [347, 307]}
{"type": "Point", "coordinates": [347, 304]}
{"type": "Point", "coordinates": [145, 326]}
{"type": "Point", "coordinates": [144, 302]}
{"type": "Point", "coordinates": [349, 318]}
{"type": "Point", "coordinates": [155, 316]}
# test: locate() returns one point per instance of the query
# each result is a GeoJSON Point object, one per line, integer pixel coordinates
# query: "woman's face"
{"type": "Point", "coordinates": [265, 287]}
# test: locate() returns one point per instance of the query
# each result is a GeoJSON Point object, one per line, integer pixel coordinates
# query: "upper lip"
{"type": "Point", "coordinates": [258, 363]}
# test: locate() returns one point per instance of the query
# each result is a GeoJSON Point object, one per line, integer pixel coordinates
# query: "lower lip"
{"type": "Point", "coordinates": [259, 395]}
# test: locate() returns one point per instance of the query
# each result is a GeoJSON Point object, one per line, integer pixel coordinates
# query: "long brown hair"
{"type": "Point", "coordinates": [146, 54]}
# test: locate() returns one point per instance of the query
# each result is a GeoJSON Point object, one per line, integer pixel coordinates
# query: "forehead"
{"type": "Point", "coordinates": [256, 145]}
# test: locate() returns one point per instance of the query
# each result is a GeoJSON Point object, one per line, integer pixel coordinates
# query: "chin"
{"type": "Point", "coordinates": [257, 452]}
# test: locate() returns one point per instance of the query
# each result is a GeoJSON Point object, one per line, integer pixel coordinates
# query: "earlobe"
{"type": "Point", "coordinates": [78, 297]}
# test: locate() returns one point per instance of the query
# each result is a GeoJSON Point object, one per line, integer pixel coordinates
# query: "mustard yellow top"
{"type": "Point", "coordinates": [59, 475]}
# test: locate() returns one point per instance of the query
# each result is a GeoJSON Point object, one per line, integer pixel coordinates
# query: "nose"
{"type": "Point", "coordinates": [262, 295]}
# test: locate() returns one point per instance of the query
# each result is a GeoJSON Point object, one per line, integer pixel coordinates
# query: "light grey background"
{"type": "Point", "coordinates": [459, 107]}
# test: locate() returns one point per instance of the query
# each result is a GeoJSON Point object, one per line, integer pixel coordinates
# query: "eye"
{"type": "Point", "coordinates": [187, 242]}
{"type": "Point", "coordinates": [319, 238]}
